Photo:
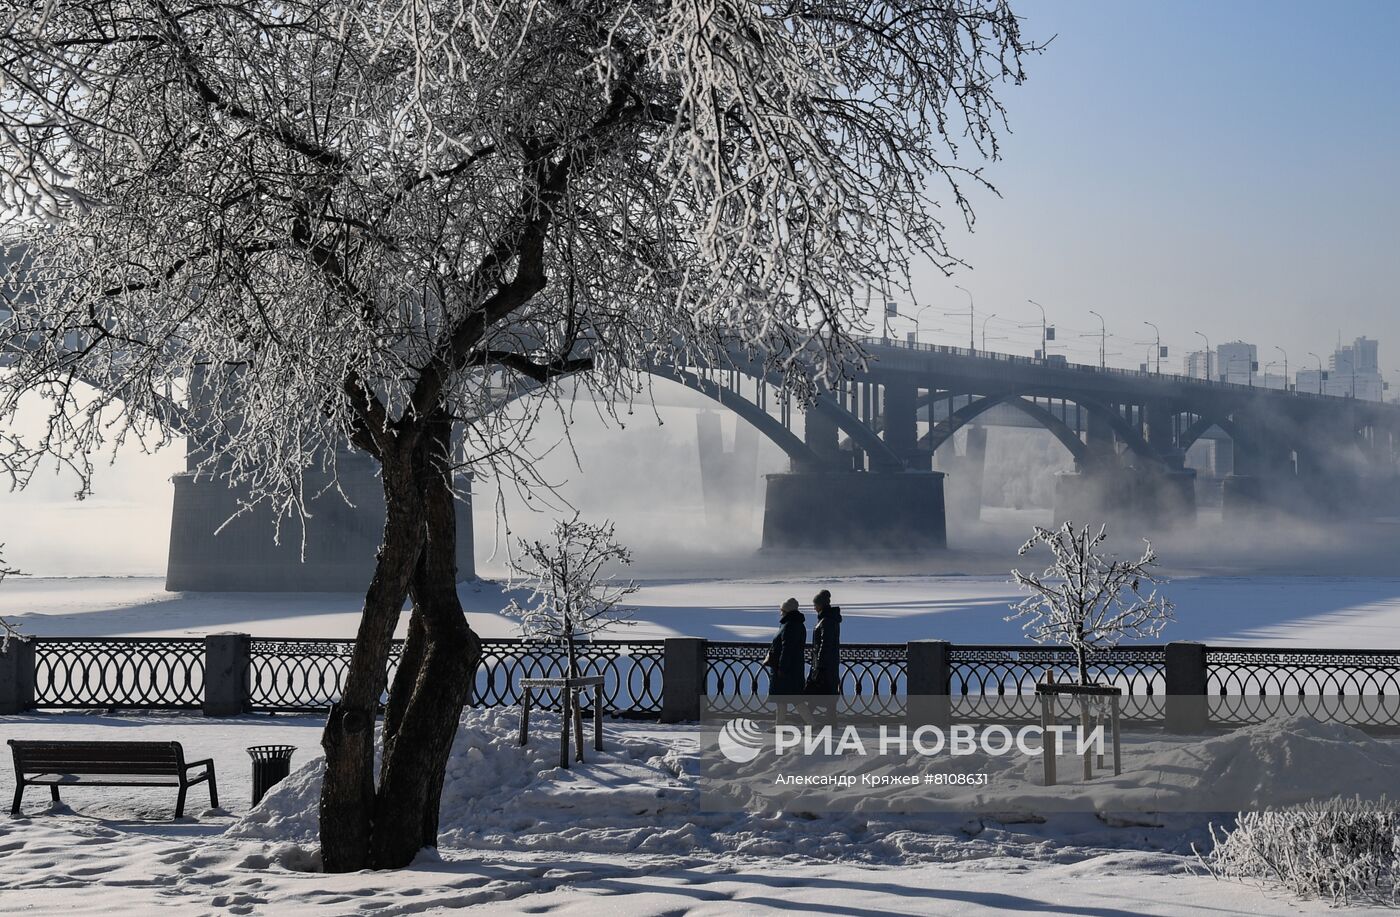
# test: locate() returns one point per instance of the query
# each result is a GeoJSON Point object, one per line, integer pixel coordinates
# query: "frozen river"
{"type": "Point", "coordinates": [1295, 611]}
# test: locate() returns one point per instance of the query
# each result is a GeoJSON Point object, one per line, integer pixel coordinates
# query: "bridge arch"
{"type": "Point", "coordinates": [1129, 434]}
{"type": "Point", "coordinates": [942, 431]}
{"type": "Point", "coordinates": [1188, 437]}
{"type": "Point", "coordinates": [801, 455]}
{"type": "Point", "coordinates": [860, 433]}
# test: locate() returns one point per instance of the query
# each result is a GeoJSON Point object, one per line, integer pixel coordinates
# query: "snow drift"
{"type": "Point", "coordinates": [644, 795]}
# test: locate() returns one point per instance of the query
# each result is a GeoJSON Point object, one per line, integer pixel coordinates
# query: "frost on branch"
{"type": "Point", "coordinates": [8, 631]}
{"type": "Point", "coordinates": [570, 596]}
{"type": "Point", "coordinates": [1346, 851]}
{"type": "Point", "coordinates": [347, 216]}
{"type": "Point", "coordinates": [1088, 600]}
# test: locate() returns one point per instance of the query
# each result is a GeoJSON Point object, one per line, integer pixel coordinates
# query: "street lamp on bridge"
{"type": "Point", "coordinates": [1285, 365]}
{"type": "Point", "coordinates": [1209, 354]}
{"type": "Point", "coordinates": [1103, 340]}
{"type": "Point", "coordinates": [971, 321]}
{"type": "Point", "coordinates": [918, 315]}
{"type": "Point", "coordinates": [1044, 354]}
{"type": "Point", "coordinates": [1319, 370]}
{"type": "Point", "coordinates": [984, 329]}
{"type": "Point", "coordinates": [1157, 347]}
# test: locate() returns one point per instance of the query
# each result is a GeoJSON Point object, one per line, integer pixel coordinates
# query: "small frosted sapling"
{"type": "Point", "coordinates": [569, 594]}
{"type": "Point", "coordinates": [1088, 600]}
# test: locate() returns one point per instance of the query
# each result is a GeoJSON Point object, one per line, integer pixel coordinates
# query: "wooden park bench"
{"type": "Point", "coordinates": [55, 764]}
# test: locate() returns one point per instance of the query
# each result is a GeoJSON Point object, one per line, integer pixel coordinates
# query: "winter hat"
{"type": "Point", "coordinates": [790, 605]}
{"type": "Point", "coordinates": [822, 598]}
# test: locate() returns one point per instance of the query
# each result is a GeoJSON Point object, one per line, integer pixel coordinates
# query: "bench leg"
{"type": "Point", "coordinates": [180, 801]}
{"type": "Point", "coordinates": [19, 797]}
{"type": "Point", "coordinates": [213, 790]}
{"type": "Point", "coordinates": [53, 791]}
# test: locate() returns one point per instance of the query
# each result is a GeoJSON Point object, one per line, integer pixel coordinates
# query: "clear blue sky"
{"type": "Point", "coordinates": [1223, 166]}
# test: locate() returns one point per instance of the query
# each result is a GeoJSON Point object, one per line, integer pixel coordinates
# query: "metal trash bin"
{"type": "Point", "coordinates": [271, 763]}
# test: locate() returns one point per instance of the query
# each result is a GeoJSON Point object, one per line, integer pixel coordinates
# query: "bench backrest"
{"type": "Point", "coordinates": [97, 757]}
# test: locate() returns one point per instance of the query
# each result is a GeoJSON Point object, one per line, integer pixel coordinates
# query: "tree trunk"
{"type": "Point", "coordinates": [384, 828]}
{"type": "Point", "coordinates": [348, 795]}
{"type": "Point", "coordinates": [1083, 656]}
{"type": "Point", "coordinates": [425, 724]}
{"type": "Point", "coordinates": [410, 661]}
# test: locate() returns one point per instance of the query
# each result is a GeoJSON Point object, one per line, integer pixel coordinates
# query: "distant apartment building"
{"type": "Point", "coordinates": [1200, 364]}
{"type": "Point", "coordinates": [1353, 371]}
{"type": "Point", "coordinates": [1312, 381]}
{"type": "Point", "coordinates": [1237, 362]}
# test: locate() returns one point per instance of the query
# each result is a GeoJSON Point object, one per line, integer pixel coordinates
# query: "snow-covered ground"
{"type": "Point", "coordinates": [1302, 611]}
{"type": "Point", "coordinates": [625, 834]}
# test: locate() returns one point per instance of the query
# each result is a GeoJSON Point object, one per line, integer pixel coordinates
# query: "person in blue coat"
{"type": "Point", "coordinates": [786, 659]}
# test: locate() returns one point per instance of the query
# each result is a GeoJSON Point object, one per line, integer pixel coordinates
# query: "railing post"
{"type": "Point", "coordinates": [1187, 705]}
{"type": "Point", "coordinates": [226, 667]}
{"type": "Point", "coordinates": [17, 676]}
{"type": "Point", "coordinates": [928, 679]}
{"type": "Point", "coordinates": [682, 679]}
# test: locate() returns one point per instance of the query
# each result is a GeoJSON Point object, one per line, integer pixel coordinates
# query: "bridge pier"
{"type": "Point", "coordinates": [341, 540]}
{"type": "Point", "coordinates": [964, 495]}
{"type": "Point", "coordinates": [821, 435]}
{"type": "Point", "coordinates": [1265, 479]}
{"type": "Point", "coordinates": [1157, 497]}
{"type": "Point", "coordinates": [852, 511]}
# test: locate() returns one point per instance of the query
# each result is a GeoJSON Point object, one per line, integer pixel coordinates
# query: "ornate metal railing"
{"type": "Point", "coordinates": [302, 675]}
{"type": "Point", "coordinates": [309, 675]}
{"type": "Point", "coordinates": [736, 680]}
{"type": "Point", "coordinates": [986, 683]}
{"type": "Point", "coordinates": [998, 682]}
{"type": "Point", "coordinates": [152, 673]}
{"type": "Point", "coordinates": [1249, 685]}
{"type": "Point", "coordinates": [631, 672]}
{"type": "Point", "coordinates": [873, 678]}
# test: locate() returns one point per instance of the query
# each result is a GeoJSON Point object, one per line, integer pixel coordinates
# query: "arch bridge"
{"type": "Point", "coordinates": [863, 451]}
{"type": "Point", "coordinates": [862, 455]}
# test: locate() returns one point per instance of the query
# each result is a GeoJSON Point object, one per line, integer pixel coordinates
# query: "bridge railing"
{"type": "Point", "coordinates": [1088, 368]}
{"type": "Point", "coordinates": [235, 673]}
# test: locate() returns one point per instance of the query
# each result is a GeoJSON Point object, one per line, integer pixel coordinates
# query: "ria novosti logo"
{"type": "Point", "coordinates": [741, 740]}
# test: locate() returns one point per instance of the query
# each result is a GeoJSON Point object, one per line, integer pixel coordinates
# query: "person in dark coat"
{"type": "Point", "coordinates": [825, 678]}
{"type": "Point", "coordinates": [786, 660]}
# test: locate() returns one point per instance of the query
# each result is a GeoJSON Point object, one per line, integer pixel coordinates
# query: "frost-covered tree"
{"type": "Point", "coordinates": [1085, 599]}
{"type": "Point", "coordinates": [367, 224]}
{"type": "Point", "coordinates": [8, 631]}
{"type": "Point", "coordinates": [570, 596]}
